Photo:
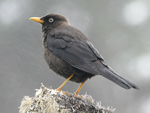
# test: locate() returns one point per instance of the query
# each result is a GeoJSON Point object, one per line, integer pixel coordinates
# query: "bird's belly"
{"type": "Point", "coordinates": [64, 69]}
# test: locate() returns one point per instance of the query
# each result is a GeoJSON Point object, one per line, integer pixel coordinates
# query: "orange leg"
{"type": "Point", "coordinates": [79, 88]}
{"type": "Point", "coordinates": [60, 87]}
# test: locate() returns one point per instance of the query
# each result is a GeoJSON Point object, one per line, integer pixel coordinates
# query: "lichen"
{"type": "Point", "coordinates": [47, 100]}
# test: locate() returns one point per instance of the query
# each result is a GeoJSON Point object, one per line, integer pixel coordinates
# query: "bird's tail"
{"type": "Point", "coordinates": [111, 75]}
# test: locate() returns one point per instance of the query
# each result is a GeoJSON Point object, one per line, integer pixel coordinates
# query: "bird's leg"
{"type": "Point", "coordinates": [60, 87]}
{"type": "Point", "coordinates": [79, 88]}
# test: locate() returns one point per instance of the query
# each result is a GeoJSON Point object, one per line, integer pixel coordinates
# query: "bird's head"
{"type": "Point", "coordinates": [50, 21]}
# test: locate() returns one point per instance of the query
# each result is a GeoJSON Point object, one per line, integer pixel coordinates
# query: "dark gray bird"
{"type": "Point", "coordinates": [70, 54]}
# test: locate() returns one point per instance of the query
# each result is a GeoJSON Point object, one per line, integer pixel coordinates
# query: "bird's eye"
{"type": "Point", "coordinates": [51, 20]}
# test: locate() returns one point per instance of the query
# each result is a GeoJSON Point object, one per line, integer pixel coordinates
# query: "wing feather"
{"type": "Point", "coordinates": [76, 53]}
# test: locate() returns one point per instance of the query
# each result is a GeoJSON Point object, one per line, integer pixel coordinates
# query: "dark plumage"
{"type": "Point", "coordinates": [68, 51]}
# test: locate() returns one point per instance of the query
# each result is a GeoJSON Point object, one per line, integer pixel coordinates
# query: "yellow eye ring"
{"type": "Point", "coordinates": [51, 20]}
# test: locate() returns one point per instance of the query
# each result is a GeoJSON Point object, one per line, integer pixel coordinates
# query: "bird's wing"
{"type": "Point", "coordinates": [76, 53]}
{"type": "Point", "coordinates": [95, 51]}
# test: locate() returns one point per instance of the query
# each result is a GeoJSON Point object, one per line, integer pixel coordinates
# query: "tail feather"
{"type": "Point", "coordinates": [111, 75]}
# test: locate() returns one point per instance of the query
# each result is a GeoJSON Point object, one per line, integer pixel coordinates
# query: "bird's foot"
{"type": "Point", "coordinates": [78, 96]}
{"type": "Point", "coordinates": [58, 89]}
{"type": "Point", "coordinates": [76, 93]}
{"type": "Point", "coordinates": [65, 93]}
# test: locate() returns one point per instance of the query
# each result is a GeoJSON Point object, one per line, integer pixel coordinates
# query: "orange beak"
{"type": "Point", "coordinates": [37, 19]}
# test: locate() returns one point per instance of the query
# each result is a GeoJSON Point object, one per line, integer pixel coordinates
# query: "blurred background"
{"type": "Point", "coordinates": [119, 29]}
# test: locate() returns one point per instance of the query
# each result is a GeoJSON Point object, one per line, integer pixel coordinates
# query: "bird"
{"type": "Point", "coordinates": [70, 54]}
